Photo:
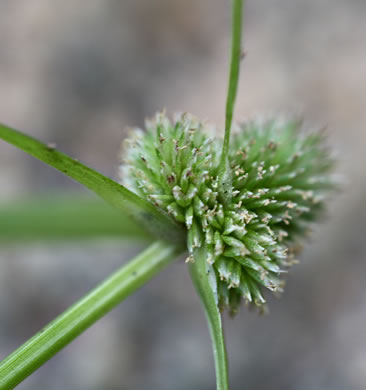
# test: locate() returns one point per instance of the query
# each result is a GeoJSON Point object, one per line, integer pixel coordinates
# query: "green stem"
{"type": "Point", "coordinates": [204, 279]}
{"type": "Point", "coordinates": [234, 69]}
{"type": "Point", "coordinates": [65, 328]}
{"type": "Point", "coordinates": [224, 169]}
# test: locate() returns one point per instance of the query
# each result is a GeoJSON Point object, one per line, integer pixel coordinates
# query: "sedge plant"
{"type": "Point", "coordinates": [236, 208]}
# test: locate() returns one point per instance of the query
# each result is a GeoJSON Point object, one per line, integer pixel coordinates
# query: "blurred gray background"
{"type": "Point", "coordinates": [77, 73]}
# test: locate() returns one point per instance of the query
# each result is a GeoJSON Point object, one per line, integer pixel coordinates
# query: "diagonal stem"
{"type": "Point", "coordinates": [65, 328]}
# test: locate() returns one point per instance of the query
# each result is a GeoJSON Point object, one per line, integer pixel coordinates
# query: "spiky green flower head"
{"type": "Point", "coordinates": [279, 179]}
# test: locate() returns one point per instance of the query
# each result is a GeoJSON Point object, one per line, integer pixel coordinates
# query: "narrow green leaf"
{"type": "Point", "coordinates": [65, 328]}
{"type": "Point", "coordinates": [64, 216]}
{"type": "Point", "coordinates": [204, 279]}
{"type": "Point", "coordinates": [118, 196]}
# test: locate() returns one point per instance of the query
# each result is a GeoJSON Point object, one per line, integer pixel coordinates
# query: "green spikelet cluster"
{"type": "Point", "coordinates": [279, 178]}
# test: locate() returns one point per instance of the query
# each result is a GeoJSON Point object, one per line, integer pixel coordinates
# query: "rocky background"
{"type": "Point", "coordinates": [77, 73]}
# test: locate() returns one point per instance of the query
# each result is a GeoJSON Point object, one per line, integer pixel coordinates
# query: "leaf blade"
{"type": "Point", "coordinates": [80, 316]}
{"type": "Point", "coordinates": [55, 217]}
{"type": "Point", "coordinates": [112, 192]}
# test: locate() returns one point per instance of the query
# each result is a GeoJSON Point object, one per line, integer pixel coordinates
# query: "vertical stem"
{"type": "Point", "coordinates": [203, 275]}
{"type": "Point", "coordinates": [65, 328]}
{"type": "Point", "coordinates": [224, 169]}
{"type": "Point", "coordinates": [237, 7]}
{"type": "Point", "coordinates": [204, 280]}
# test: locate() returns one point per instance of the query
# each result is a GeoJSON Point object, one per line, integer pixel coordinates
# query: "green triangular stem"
{"type": "Point", "coordinates": [204, 280]}
{"type": "Point", "coordinates": [224, 171]}
{"type": "Point", "coordinates": [65, 328]}
{"type": "Point", "coordinates": [112, 192]}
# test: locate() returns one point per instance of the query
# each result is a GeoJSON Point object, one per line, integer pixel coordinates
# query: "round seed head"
{"type": "Point", "coordinates": [279, 177]}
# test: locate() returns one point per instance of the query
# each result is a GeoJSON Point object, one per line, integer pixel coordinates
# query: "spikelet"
{"type": "Point", "coordinates": [279, 179]}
